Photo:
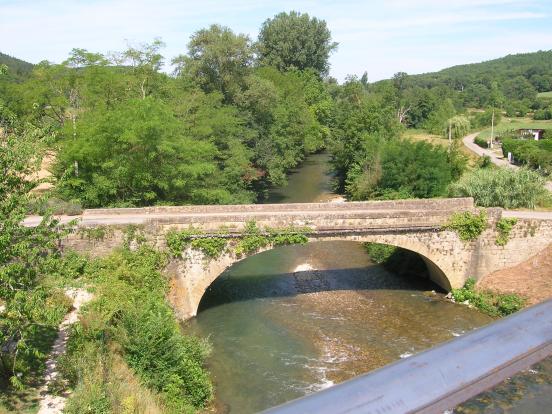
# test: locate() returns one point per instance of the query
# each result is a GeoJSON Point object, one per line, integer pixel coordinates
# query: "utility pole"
{"type": "Point", "coordinates": [492, 129]}
{"type": "Point", "coordinates": [450, 135]}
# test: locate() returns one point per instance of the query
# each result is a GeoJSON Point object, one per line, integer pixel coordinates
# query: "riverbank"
{"type": "Point", "coordinates": [531, 279]}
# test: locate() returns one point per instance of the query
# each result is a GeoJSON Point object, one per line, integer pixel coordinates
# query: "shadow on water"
{"type": "Point", "coordinates": [230, 287]}
{"type": "Point", "coordinates": [263, 276]}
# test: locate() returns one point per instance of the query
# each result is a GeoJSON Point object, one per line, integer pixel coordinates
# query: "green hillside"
{"type": "Point", "coordinates": [18, 69]}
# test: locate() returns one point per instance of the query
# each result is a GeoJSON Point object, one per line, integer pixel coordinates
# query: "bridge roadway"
{"type": "Point", "coordinates": [178, 214]}
{"type": "Point", "coordinates": [215, 213]}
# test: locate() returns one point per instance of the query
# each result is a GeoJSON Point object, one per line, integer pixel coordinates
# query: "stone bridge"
{"type": "Point", "coordinates": [415, 225]}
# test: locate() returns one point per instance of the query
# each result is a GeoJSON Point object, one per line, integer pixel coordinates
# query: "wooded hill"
{"type": "Point", "coordinates": [511, 82]}
{"type": "Point", "coordinates": [17, 68]}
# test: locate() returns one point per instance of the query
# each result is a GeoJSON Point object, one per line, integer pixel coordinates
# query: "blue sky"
{"type": "Point", "coordinates": [380, 37]}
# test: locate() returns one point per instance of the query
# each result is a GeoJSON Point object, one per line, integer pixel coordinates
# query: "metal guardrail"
{"type": "Point", "coordinates": [442, 377]}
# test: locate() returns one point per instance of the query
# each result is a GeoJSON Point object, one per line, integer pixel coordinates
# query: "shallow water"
{"type": "Point", "coordinates": [278, 334]}
{"type": "Point", "coordinates": [297, 319]}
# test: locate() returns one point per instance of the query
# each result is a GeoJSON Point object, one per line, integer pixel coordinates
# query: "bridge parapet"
{"type": "Point", "coordinates": [386, 205]}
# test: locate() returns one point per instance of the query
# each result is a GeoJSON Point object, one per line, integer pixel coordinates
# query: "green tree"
{"type": "Point", "coordinates": [459, 126]}
{"type": "Point", "coordinates": [295, 41]}
{"type": "Point", "coordinates": [218, 59]}
{"type": "Point", "coordinates": [136, 154]}
{"type": "Point", "coordinates": [29, 311]}
{"type": "Point", "coordinates": [293, 130]}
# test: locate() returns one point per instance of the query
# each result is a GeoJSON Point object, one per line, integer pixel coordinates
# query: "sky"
{"type": "Point", "coordinates": [379, 37]}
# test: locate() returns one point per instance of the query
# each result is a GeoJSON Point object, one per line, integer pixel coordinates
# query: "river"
{"type": "Point", "coordinates": [297, 319]}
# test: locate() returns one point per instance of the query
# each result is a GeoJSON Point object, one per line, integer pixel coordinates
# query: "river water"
{"type": "Point", "coordinates": [297, 319]}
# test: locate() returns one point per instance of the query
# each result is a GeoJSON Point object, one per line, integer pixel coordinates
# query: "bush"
{"type": "Point", "coordinates": [501, 187]}
{"type": "Point", "coordinates": [534, 154]}
{"type": "Point", "coordinates": [167, 361]}
{"type": "Point", "coordinates": [482, 142]}
{"type": "Point", "coordinates": [488, 302]}
{"type": "Point", "coordinates": [484, 162]}
{"type": "Point", "coordinates": [44, 206]}
{"type": "Point", "coordinates": [401, 168]}
{"type": "Point", "coordinates": [543, 114]}
{"type": "Point", "coordinates": [129, 318]}
{"type": "Point", "coordinates": [467, 225]}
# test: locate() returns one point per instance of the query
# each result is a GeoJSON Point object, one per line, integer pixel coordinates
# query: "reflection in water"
{"type": "Point", "coordinates": [311, 183]}
{"type": "Point", "coordinates": [297, 319]}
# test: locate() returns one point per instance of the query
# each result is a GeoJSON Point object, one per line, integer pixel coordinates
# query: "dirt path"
{"type": "Point", "coordinates": [531, 279]}
{"type": "Point", "coordinates": [54, 404]}
{"type": "Point", "coordinates": [495, 159]}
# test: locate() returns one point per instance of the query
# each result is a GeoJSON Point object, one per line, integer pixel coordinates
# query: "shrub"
{"type": "Point", "coordinates": [543, 114]}
{"type": "Point", "coordinates": [482, 142]}
{"type": "Point", "coordinates": [492, 304]}
{"type": "Point", "coordinates": [501, 187]}
{"type": "Point", "coordinates": [484, 162]}
{"type": "Point", "coordinates": [467, 225]}
{"type": "Point", "coordinates": [44, 206]}
{"type": "Point", "coordinates": [130, 318]}
{"type": "Point", "coordinates": [534, 154]}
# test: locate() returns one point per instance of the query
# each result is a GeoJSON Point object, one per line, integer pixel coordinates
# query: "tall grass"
{"type": "Point", "coordinates": [501, 187]}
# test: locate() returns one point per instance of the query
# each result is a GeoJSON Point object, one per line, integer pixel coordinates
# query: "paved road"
{"type": "Point", "coordinates": [123, 219]}
{"type": "Point", "coordinates": [138, 218]}
{"type": "Point", "coordinates": [495, 159]}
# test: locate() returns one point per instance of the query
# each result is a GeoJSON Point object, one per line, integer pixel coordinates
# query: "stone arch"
{"type": "Point", "coordinates": [192, 277]}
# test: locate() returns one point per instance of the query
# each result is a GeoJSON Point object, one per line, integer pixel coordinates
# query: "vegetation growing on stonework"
{"type": "Point", "coordinates": [212, 247]}
{"type": "Point", "coordinates": [250, 240]}
{"type": "Point", "coordinates": [467, 225]}
{"type": "Point", "coordinates": [94, 233]}
{"type": "Point", "coordinates": [397, 260]}
{"type": "Point", "coordinates": [492, 304]}
{"type": "Point", "coordinates": [504, 226]}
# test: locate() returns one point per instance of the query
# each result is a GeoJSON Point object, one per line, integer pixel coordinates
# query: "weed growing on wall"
{"type": "Point", "coordinates": [467, 225]}
{"type": "Point", "coordinates": [252, 239]}
{"type": "Point", "coordinates": [504, 226]}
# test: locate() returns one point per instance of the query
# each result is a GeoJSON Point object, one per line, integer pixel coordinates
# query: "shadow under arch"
{"type": "Point", "coordinates": [250, 277]}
